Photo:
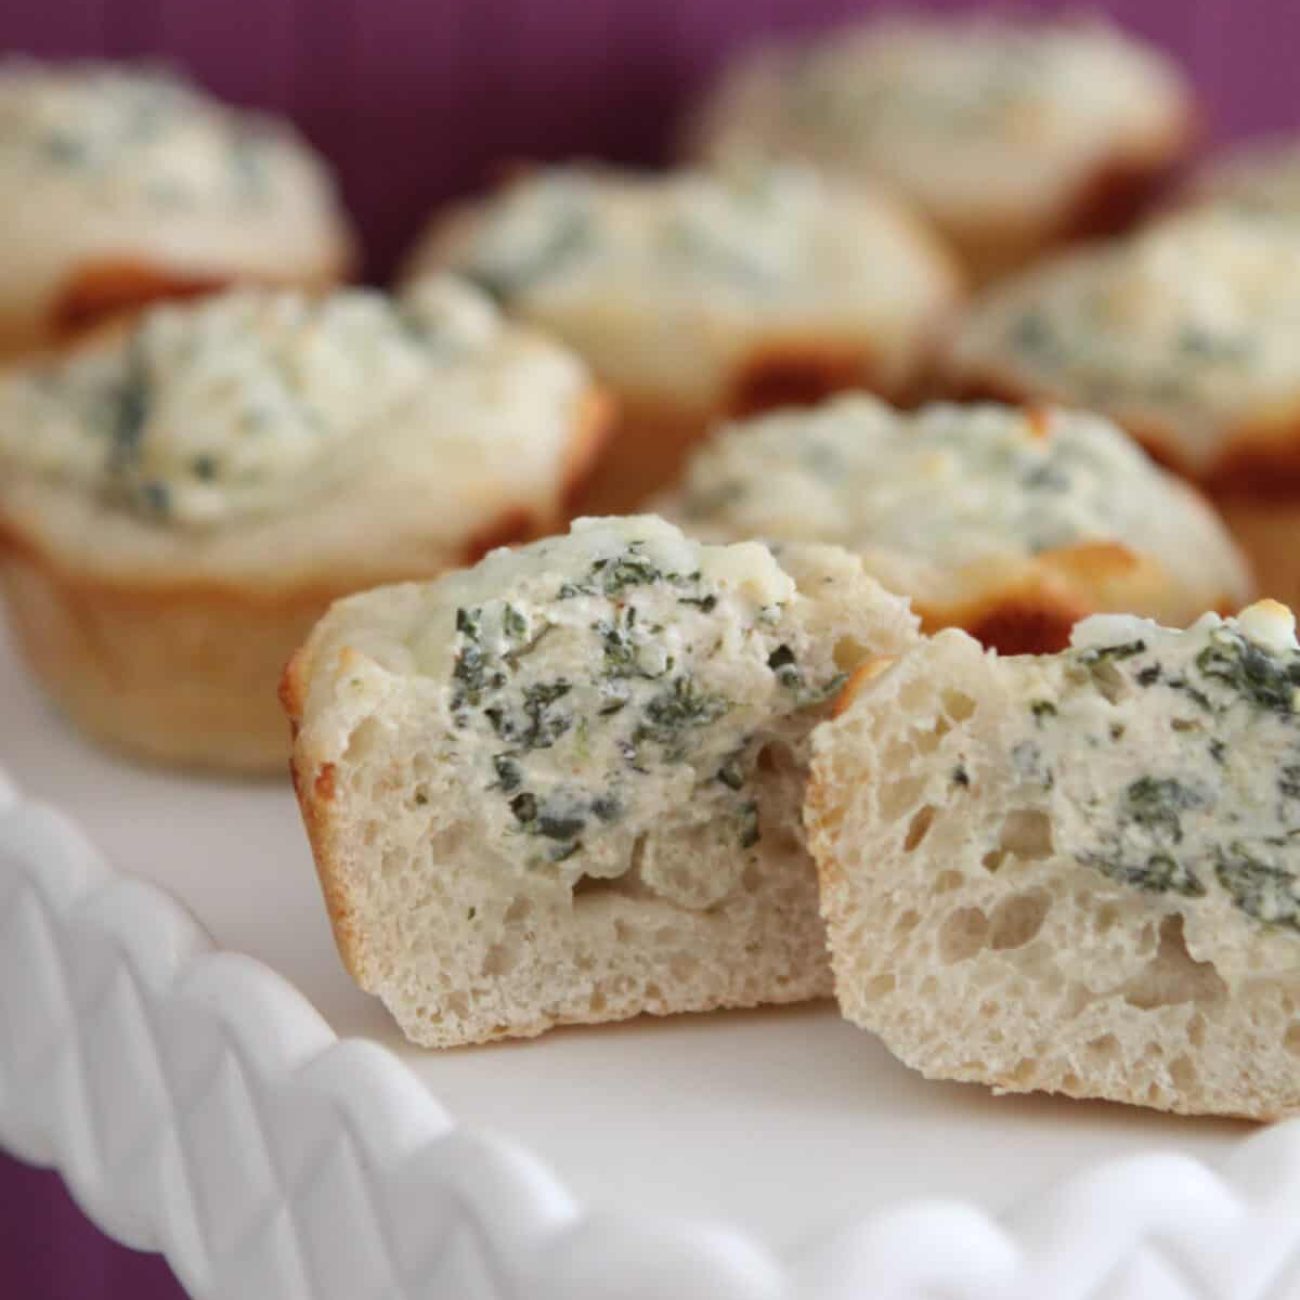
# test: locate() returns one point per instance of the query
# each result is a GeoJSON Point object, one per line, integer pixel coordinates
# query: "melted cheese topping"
{"type": "Point", "coordinates": [928, 497]}
{"type": "Point", "coordinates": [967, 116]}
{"type": "Point", "coordinates": [662, 279]}
{"type": "Point", "coordinates": [591, 690]}
{"type": "Point", "coordinates": [248, 404]}
{"type": "Point", "coordinates": [1170, 761]}
{"type": "Point", "coordinates": [101, 162]}
{"type": "Point", "coordinates": [1191, 327]}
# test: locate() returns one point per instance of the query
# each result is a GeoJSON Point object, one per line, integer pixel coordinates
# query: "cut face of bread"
{"type": "Point", "coordinates": [1013, 524]}
{"type": "Point", "coordinates": [1077, 873]}
{"type": "Point", "coordinates": [565, 785]}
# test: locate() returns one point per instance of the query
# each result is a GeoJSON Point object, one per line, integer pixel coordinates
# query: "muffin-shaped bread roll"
{"type": "Point", "coordinates": [180, 499]}
{"type": "Point", "coordinates": [1010, 135]}
{"type": "Point", "coordinates": [694, 296]}
{"type": "Point", "coordinates": [1188, 335]}
{"type": "Point", "coordinates": [120, 186]}
{"type": "Point", "coordinates": [565, 786]}
{"type": "Point", "coordinates": [1013, 524]}
{"type": "Point", "coordinates": [1076, 873]}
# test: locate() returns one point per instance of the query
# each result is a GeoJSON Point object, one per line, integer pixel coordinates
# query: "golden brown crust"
{"type": "Point", "coordinates": [315, 791]}
{"type": "Point", "coordinates": [1022, 625]}
{"type": "Point", "coordinates": [1035, 613]}
{"type": "Point", "coordinates": [1121, 188]}
{"type": "Point", "coordinates": [109, 289]}
{"type": "Point", "coordinates": [595, 426]}
{"type": "Point", "coordinates": [797, 372]}
{"type": "Point", "coordinates": [97, 291]}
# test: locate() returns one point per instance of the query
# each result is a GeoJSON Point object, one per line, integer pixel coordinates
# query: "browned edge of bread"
{"type": "Point", "coordinates": [105, 289]}
{"type": "Point", "coordinates": [1057, 589]}
{"type": "Point", "coordinates": [1035, 611]}
{"type": "Point", "coordinates": [315, 791]}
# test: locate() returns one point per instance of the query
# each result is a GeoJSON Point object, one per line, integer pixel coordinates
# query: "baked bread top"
{"type": "Point", "coordinates": [671, 283]}
{"type": "Point", "coordinates": [1187, 333]}
{"type": "Point", "coordinates": [983, 122]}
{"type": "Point", "coordinates": [596, 696]}
{"type": "Point", "coordinates": [100, 163]}
{"type": "Point", "coordinates": [269, 436]}
{"type": "Point", "coordinates": [956, 505]}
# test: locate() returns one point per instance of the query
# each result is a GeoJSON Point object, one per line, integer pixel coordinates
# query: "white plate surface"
{"type": "Point", "coordinates": [784, 1124]}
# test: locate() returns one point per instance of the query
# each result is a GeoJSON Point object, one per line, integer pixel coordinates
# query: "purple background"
{"type": "Point", "coordinates": [417, 99]}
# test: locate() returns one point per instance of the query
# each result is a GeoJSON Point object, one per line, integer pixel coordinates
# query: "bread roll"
{"type": "Point", "coordinates": [694, 296]}
{"type": "Point", "coordinates": [1076, 873]}
{"type": "Point", "coordinates": [1187, 335]}
{"type": "Point", "coordinates": [1013, 524]}
{"type": "Point", "coordinates": [565, 786]}
{"type": "Point", "coordinates": [1011, 134]}
{"type": "Point", "coordinates": [123, 185]}
{"type": "Point", "coordinates": [182, 498]}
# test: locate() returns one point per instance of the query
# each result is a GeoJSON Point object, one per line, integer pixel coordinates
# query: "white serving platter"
{"type": "Point", "coordinates": [197, 1105]}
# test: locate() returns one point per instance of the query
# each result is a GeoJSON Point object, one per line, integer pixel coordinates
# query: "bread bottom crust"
{"type": "Point", "coordinates": [184, 677]}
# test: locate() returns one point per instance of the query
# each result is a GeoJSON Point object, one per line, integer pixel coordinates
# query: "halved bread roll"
{"type": "Point", "coordinates": [694, 296]}
{"type": "Point", "coordinates": [121, 186]}
{"type": "Point", "coordinates": [1010, 523]}
{"type": "Point", "coordinates": [1077, 873]}
{"type": "Point", "coordinates": [1011, 134]}
{"type": "Point", "coordinates": [565, 786]}
{"type": "Point", "coordinates": [182, 498]}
